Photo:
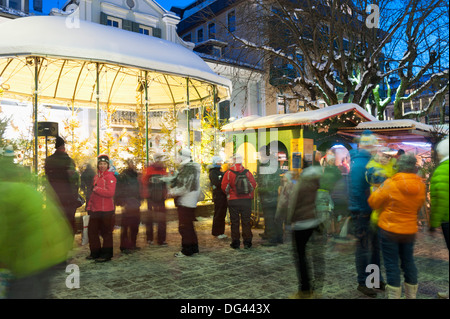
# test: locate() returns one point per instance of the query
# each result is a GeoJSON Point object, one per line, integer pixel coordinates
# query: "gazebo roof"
{"type": "Point", "coordinates": [70, 51]}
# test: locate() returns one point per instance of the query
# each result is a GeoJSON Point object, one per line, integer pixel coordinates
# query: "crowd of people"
{"type": "Point", "coordinates": [374, 195]}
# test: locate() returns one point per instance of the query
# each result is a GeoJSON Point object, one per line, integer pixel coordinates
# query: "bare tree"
{"type": "Point", "coordinates": [331, 50]}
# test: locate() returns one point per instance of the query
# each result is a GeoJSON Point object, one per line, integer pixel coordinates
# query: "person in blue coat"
{"type": "Point", "coordinates": [367, 246]}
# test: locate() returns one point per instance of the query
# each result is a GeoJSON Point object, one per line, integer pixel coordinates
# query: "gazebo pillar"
{"type": "Point", "coordinates": [35, 112]}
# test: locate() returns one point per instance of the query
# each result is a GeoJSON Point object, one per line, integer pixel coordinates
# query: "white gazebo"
{"type": "Point", "coordinates": [54, 60]}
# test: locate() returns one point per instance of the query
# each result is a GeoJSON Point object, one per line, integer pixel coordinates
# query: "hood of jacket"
{"type": "Point", "coordinates": [408, 183]}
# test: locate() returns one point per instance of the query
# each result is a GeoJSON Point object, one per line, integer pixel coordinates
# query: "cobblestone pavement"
{"type": "Point", "coordinates": [220, 272]}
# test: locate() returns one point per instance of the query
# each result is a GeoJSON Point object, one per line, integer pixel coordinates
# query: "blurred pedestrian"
{"type": "Point", "coordinates": [439, 193]}
{"type": "Point", "coordinates": [219, 198]}
{"type": "Point", "coordinates": [86, 180]}
{"type": "Point", "coordinates": [101, 212]}
{"type": "Point", "coordinates": [128, 196]}
{"type": "Point", "coordinates": [399, 199]}
{"type": "Point", "coordinates": [367, 245]}
{"type": "Point", "coordinates": [154, 189]}
{"type": "Point", "coordinates": [239, 185]}
{"type": "Point", "coordinates": [381, 167]}
{"type": "Point", "coordinates": [269, 183]}
{"type": "Point", "coordinates": [63, 177]}
{"type": "Point", "coordinates": [304, 220]}
{"type": "Point", "coordinates": [324, 202]}
{"type": "Point", "coordinates": [185, 189]}
{"type": "Point", "coordinates": [35, 236]}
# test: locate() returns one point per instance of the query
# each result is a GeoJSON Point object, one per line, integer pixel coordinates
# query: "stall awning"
{"type": "Point", "coordinates": [393, 131]}
{"type": "Point", "coordinates": [299, 118]}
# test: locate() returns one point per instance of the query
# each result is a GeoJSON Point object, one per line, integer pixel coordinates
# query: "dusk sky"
{"type": "Point", "coordinates": [167, 4]}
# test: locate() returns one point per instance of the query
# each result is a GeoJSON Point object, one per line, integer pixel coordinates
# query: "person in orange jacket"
{"type": "Point", "coordinates": [399, 199]}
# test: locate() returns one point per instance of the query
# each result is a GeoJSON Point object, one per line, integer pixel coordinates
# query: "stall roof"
{"type": "Point", "coordinates": [296, 119]}
{"type": "Point", "coordinates": [70, 51]}
{"type": "Point", "coordinates": [394, 130]}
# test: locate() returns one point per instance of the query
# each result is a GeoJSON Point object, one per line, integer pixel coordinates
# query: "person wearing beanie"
{"type": "Point", "coordinates": [239, 184]}
{"type": "Point", "coordinates": [101, 209]}
{"type": "Point", "coordinates": [439, 194]}
{"type": "Point", "coordinates": [64, 180]}
{"type": "Point", "coordinates": [219, 198]}
{"type": "Point", "coordinates": [185, 189]}
{"type": "Point", "coordinates": [367, 248]}
{"type": "Point", "coordinates": [399, 199]}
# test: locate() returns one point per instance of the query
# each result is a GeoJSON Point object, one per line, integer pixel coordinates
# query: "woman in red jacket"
{"type": "Point", "coordinates": [101, 212]}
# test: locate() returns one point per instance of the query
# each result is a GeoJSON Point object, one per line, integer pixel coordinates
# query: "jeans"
{"type": "Point", "coordinates": [367, 245]}
{"type": "Point", "coordinates": [240, 213]}
{"type": "Point", "coordinates": [393, 250]}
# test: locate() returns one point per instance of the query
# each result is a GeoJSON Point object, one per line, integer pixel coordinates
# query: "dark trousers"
{"type": "Point", "coordinates": [35, 286]}
{"type": "Point", "coordinates": [367, 245]}
{"type": "Point", "coordinates": [273, 227]}
{"type": "Point", "coordinates": [156, 214]}
{"type": "Point", "coordinates": [220, 212]}
{"type": "Point", "coordinates": [445, 232]}
{"type": "Point", "coordinates": [189, 241]}
{"type": "Point", "coordinates": [69, 212]}
{"type": "Point", "coordinates": [129, 228]}
{"type": "Point", "coordinates": [101, 224]}
{"type": "Point", "coordinates": [240, 213]}
{"type": "Point", "coordinates": [317, 265]}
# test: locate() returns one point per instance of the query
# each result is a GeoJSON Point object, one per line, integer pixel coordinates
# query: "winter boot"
{"type": "Point", "coordinates": [411, 291]}
{"type": "Point", "coordinates": [393, 292]}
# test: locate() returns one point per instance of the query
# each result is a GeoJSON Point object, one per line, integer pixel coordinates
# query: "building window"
{"type": "Point", "coordinates": [37, 5]}
{"type": "Point", "coordinates": [211, 31]}
{"type": "Point", "coordinates": [231, 20]}
{"type": "Point", "coordinates": [200, 35]}
{"type": "Point", "coordinates": [216, 51]}
{"type": "Point", "coordinates": [145, 30]}
{"type": "Point", "coordinates": [114, 22]}
{"type": "Point", "coordinates": [15, 4]}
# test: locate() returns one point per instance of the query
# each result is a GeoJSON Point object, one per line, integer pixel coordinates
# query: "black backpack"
{"type": "Point", "coordinates": [157, 188]}
{"type": "Point", "coordinates": [243, 186]}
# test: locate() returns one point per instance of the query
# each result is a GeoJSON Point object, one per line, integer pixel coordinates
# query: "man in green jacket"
{"type": "Point", "coordinates": [439, 193]}
{"type": "Point", "coordinates": [34, 234]}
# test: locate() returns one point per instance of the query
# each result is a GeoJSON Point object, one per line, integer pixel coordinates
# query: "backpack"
{"type": "Point", "coordinates": [243, 186]}
{"type": "Point", "coordinates": [157, 188]}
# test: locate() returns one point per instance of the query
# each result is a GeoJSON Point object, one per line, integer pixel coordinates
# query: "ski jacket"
{"type": "Point", "coordinates": [399, 199]}
{"type": "Point", "coordinates": [228, 183]}
{"type": "Point", "coordinates": [439, 193]}
{"type": "Point", "coordinates": [102, 198]}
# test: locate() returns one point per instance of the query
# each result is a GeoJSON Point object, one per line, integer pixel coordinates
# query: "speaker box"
{"type": "Point", "coordinates": [47, 129]}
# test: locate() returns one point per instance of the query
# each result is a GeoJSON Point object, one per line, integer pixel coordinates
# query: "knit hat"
{"type": "Point", "coordinates": [185, 153]}
{"type": "Point", "coordinates": [59, 142]}
{"type": "Point", "coordinates": [407, 163]}
{"type": "Point", "coordinates": [103, 158]}
{"type": "Point", "coordinates": [216, 161]}
{"type": "Point", "coordinates": [442, 150]}
{"type": "Point", "coordinates": [9, 151]}
{"type": "Point", "coordinates": [237, 158]}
